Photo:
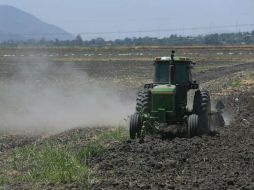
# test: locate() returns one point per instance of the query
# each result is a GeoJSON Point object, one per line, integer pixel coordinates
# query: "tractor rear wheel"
{"type": "Point", "coordinates": [192, 125]}
{"type": "Point", "coordinates": [202, 108]}
{"type": "Point", "coordinates": [135, 126]}
{"type": "Point", "coordinates": [143, 100]}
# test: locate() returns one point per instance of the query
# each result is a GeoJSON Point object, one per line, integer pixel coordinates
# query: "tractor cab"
{"type": "Point", "coordinates": [172, 81]}
{"type": "Point", "coordinates": [173, 70]}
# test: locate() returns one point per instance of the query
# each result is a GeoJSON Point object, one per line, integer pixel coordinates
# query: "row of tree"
{"type": "Point", "coordinates": [210, 39]}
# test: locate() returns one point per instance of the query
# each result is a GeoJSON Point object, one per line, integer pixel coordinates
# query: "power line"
{"type": "Point", "coordinates": [141, 31]}
{"type": "Point", "coordinates": [169, 30]}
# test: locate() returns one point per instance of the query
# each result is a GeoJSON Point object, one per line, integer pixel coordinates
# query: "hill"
{"type": "Point", "coordinates": [18, 25]}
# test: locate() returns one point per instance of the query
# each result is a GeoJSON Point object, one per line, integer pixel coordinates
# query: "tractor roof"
{"type": "Point", "coordinates": [175, 59]}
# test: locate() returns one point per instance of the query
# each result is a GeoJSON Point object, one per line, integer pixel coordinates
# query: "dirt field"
{"type": "Point", "coordinates": [224, 161]}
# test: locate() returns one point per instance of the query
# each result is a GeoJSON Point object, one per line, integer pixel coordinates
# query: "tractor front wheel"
{"type": "Point", "coordinates": [135, 126]}
{"type": "Point", "coordinates": [192, 125]}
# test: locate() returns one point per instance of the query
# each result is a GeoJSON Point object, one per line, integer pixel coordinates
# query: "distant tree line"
{"type": "Point", "coordinates": [240, 38]}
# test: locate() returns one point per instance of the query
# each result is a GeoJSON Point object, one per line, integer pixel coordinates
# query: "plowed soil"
{"type": "Point", "coordinates": [224, 161]}
{"type": "Point", "coordinates": [215, 73]}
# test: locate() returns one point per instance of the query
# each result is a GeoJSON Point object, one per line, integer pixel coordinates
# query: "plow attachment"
{"type": "Point", "coordinates": [217, 119]}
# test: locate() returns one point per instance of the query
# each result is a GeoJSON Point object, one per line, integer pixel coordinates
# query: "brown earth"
{"type": "Point", "coordinates": [216, 73]}
{"type": "Point", "coordinates": [8, 142]}
{"type": "Point", "coordinates": [224, 161]}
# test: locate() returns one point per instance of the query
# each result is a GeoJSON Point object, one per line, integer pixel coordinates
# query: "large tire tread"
{"type": "Point", "coordinates": [192, 125]}
{"type": "Point", "coordinates": [135, 126]}
{"type": "Point", "coordinates": [143, 100]}
{"type": "Point", "coordinates": [202, 108]}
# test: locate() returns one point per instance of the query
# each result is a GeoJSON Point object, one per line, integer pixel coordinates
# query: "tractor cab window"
{"type": "Point", "coordinates": [161, 74]}
{"type": "Point", "coordinates": [182, 74]}
{"type": "Point", "coordinates": [190, 76]}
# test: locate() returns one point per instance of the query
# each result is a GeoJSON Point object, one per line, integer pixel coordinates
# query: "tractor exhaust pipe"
{"type": "Point", "coordinates": [172, 55]}
{"type": "Point", "coordinates": [171, 66]}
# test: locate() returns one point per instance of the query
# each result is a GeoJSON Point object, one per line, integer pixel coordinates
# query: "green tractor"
{"type": "Point", "coordinates": [161, 106]}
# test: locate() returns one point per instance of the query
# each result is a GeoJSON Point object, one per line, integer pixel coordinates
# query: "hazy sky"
{"type": "Point", "coordinates": [160, 17]}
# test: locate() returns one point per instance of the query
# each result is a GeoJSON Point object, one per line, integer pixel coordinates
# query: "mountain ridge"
{"type": "Point", "coordinates": [18, 25]}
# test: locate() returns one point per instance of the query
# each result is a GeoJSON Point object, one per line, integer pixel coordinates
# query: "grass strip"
{"type": "Point", "coordinates": [52, 164]}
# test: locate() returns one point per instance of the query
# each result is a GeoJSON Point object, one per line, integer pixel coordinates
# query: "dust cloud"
{"type": "Point", "coordinates": [48, 97]}
{"type": "Point", "coordinates": [227, 116]}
